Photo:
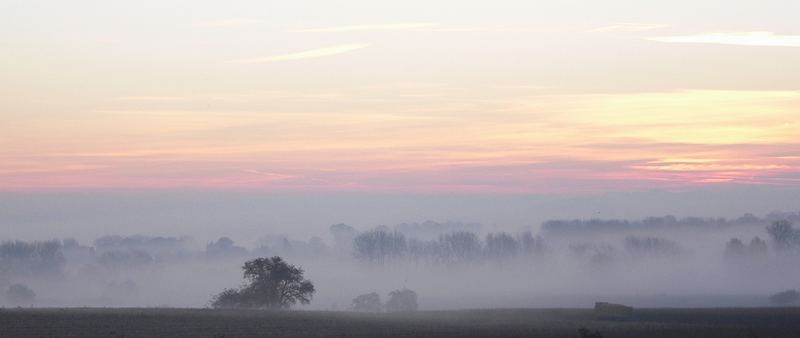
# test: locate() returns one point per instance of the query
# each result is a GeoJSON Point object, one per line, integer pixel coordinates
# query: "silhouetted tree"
{"type": "Point", "coordinates": [404, 300]}
{"type": "Point", "coordinates": [783, 236]}
{"type": "Point", "coordinates": [735, 249]}
{"type": "Point", "coordinates": [652, 246]}
{"type": "Point", "coordinates": [758, 247]}
{"type": "Point", "coordinates": [501, 245]}
{"type": "Point", "coordinates": [271, 283]}
{"type": "Point", "coordinates": [20, 294]}
{"type": "Point", "coordinates": [74, 251]}
{"type": "Point", "coordinates": [368, 302]}
{"type": "Point", "coordinates": [379, 246]}
{"type": "Point", "coordinates": [430, 229]}
{"type": "Point", "coordinates": [597, 226]}
{"type": "Point", "coordinates": [156, 246]}
{"type": "Point", "coordinates": [531, 245]}
{"type": "Point", "coordinates": [224, 246]}
{"type": "Point", "coordinates": [234, 298]}
{"type": "Point", "coordinates": [784, 298]}
{"type": "Point", "coordinates": [274, 245]}
{"type": "Point", "coordinates": [462, 246]}
{"type": "Point", "coordinates": [31, 258]}
{"type": "Point", "coordinates": [431, 252]}
{"type": "Point", "coordinates": [283, 245]}
{"type": "Point", "coordinates": [125, 259]}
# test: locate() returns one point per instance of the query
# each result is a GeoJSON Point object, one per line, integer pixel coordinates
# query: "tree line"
{"type": "Point", "coordinates": [597, 226]}
{"type": "Point", "coordinates": [383, 246]}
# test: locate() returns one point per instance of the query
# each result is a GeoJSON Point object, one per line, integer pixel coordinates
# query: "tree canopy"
{"type": "Point", "coordinates": [369, 302]}
{"type": "Point", "coordinates": [271, 284]}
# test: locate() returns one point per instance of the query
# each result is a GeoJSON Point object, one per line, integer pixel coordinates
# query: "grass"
{"type": "Point", "coordinates": [94, 322]}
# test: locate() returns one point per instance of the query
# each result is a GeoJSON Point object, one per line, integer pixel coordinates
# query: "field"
{"type": "Point", "coordinates": [741, 322]}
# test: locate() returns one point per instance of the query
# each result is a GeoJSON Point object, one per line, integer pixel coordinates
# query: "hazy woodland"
{"type": "Point", "coordinates": [655, 261]}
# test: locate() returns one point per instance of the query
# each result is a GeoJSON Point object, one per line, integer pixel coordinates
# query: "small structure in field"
{"type": "Point", "coordinates": [605, 310]}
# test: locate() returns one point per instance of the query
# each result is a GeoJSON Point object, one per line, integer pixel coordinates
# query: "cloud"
{"type": "Point", "coordinates": [152, 98]}
{"type": "Point", "coordinates": [735, 38]}
{"type": "Point", "coordinates": [269, 175]}
{"type": "Point", "coordinates": [308, 54]}
{"type": "Point", "coordinates": [493, 29]}
{"type": "Point", "coordinates": [228, 23]}
{"type": "Point", "coordinates": [710, 167]}
{"type": "Point", "coordinates": [425, 26]}
{"type": "Point", "coordinates": [628, 27]}
{"type": "Point", "coordinates": [369, 28]}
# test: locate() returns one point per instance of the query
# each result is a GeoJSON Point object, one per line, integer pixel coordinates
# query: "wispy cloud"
{"type": "Point", "coordinates": [152, 98]}
{"type": "Point", "coordinates": [228, 23]}
{"type": "Point", "coordinates": [308, 54]}
{"type": "Point", "coordinates": [736, 38]}
{"type": "Point", "coordinates": [628, 27]}
{"type": "Point", "coordinates": [268, 175]}
{"type": "Point", "coordinates": [710, 167]}
{"type": "Point", "coordinates": [492, 29]}
{"type": "Point", "coordinates": [374, 27]}
{"type": "Point", "coordinates": [426, 27]}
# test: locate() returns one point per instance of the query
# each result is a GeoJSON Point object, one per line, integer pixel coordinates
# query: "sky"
{"type": "Point", "coordinates": [404, 96]}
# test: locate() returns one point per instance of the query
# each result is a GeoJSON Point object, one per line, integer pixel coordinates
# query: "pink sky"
{"type": "Point", "coordinates": [459, 98]}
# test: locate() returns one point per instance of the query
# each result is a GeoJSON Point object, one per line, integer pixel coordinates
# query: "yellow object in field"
{"type": "Point", "coordinates": [605, 310]}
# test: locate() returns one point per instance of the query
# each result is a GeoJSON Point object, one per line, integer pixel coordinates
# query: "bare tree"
{"type": "Point", "coordinates": [531, 245]}
{"type": "Point", "coordinates": [463, 246]}
{"type": "Point", "coordinates": [651, 246]}
{"type": "Point", "coordinates": [31, 258]}
{"type": "Point", "coordinates": [380, 246]}
{"type": "Point", "coordinates": [501, 245]}
{"type": "Point", "coordinates": [783, 236]}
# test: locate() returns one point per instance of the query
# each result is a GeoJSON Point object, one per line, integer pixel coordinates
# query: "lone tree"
{"type": "Point", "coordinates": [271, 283]}
{"type": "Point", "coordinates": [369, 302]}
{"type": "Point", "coordinates": [404, 300]}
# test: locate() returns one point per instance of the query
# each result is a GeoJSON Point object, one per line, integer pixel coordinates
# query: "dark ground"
{"type": "Point", "coordinates": [740, 322]}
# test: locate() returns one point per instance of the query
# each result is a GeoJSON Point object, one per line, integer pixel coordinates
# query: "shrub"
{"type": "Point", "coordinates": [784, 298]}
{"type": "Point", "coordinates": [404, 300]}
{"type": "Point", "coordinates": [20, 294]}
{"type": "Point", "coordinates": [369, 302]}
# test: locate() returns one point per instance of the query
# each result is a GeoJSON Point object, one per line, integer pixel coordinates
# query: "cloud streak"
{"type": "Point", "coordinates": [228, 23]}
{"type": "Point", "coordinates": [307, 54]}
{"type": "Point", "coordinates": [628, 27]}
{"type": "Point", "coordinates": [370, 28]}
{"type": "Point", "coordinates": [767, 39]}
